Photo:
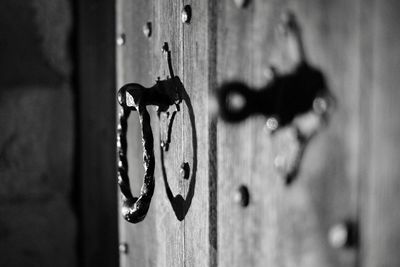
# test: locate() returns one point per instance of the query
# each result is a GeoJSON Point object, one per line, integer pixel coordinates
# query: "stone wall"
{"type": "Point", "coordinates": [37, 217]}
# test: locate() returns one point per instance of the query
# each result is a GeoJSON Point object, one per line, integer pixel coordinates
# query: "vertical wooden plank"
{"type": "Point", "coordinates": [96, 149]}
{"type": "Point", "coordinates": [235, 146]}
{"type": "Point", "coordinates": [197, 78]}
{"type": "Point", "coordinates": [170, 229]}
{"type": "Point", "coordinates": [329, 176]}
{"type": "Point", "coordinates": [134, 64]}
{"type": "Point", "coordinates": [288, 226]}
{"type": "Point", "coordinates": [381, 232]}
{"type": "Point", "coordinates": [176, 230]}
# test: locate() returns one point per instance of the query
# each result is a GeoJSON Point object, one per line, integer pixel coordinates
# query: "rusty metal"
{"type": "Point", "coordinates": [135, 97]}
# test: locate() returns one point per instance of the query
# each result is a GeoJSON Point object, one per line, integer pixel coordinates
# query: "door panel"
{"type": "Point", "coordinates": [287, 225]}
{"type": "Point", "coordinates": [348, 173]}
{"type": "Point", "coordinates": [380, 140]}
{"type": "Point", "coordinates": [135, 51]}
{"type": "Point", "coordinates": [176, 230]}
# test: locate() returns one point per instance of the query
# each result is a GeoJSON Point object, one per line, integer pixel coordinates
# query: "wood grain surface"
{"type": "Point", "coordinates": [176, 230]}
{"type": "Point", "coordinates": [287, 225]}
{"type": "Point", "coordinates": [349, 172]}
{"type": "Point", "coordinates": [380, 212]}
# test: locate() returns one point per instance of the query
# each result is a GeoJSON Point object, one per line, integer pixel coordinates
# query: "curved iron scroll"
{"type": "Point", "coordinates": [297, 102]}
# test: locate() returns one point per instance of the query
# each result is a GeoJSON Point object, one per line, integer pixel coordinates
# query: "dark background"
{"type": "Point", "coordinates": [38, 215]}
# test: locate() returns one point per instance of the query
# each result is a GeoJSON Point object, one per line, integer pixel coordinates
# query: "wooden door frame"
{"type": "Point", "coordinates": [96, 152]}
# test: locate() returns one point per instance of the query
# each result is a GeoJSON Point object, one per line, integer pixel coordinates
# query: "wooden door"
{"type": "Point", "coordinates": [348, 175]}
{"type": "Point", "coordinates": [176, 231]}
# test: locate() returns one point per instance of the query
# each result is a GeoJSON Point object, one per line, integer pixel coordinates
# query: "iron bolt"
{"type": "Point", "coordinates": [241, 3]}
{"type": "Point", "coordinates": [147, 29]}
{"type": "Point", "coordinates": [186, 14]}
{"type": "Point", "coordinates": [121, 39]}
{"type": "Point", "coordinates": [242, 196]}
{"type": "Point", "coordinates": [272, 124]}
{"type": "Point", "coordinates": [342, 235]}
{"type": "Point", "coordinates": [123, 248]}
{"type": "Point", "coordinates": [270, 73]}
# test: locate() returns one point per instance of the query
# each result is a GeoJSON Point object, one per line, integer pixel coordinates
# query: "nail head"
{"type": "Point", "coordinates": [241, 3]}
{"type": "Point", "coordinates": [121, 39]}
{"type": "Point", "coordinates": [242, 196]}
{"type": "Point", "coordinates": [147, 30]}
{"type": "Point", "coordinates": [272, 123]}
{"type": "Point", "coordinates": [186, 14]}
{"type": "Point", "coordinates": [342, 235]}
{"type": "Point", "coordinates": [123, 248]}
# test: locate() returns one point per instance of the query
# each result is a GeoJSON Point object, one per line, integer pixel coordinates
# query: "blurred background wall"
{"type": "Point", "coordinates": [38, 225]}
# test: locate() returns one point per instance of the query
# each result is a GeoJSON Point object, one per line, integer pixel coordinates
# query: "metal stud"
{"type": "Point", "coordinates": [320, 105]}
{"type": "Point", "coordinates": [272, 124]}
{"type": "Point", "coordinates": [342, 235]}
{"type": "Point", "coordinates": [121, 39]}
{"type": "Point", "coordinates": [241, 3]}
{"type": "Point", "coordinates": [123, 248]}
{"type": "Point", "coordinates": [242, 196]}
{"type": "Point", "coordinates": [186, 14]}
{"type": "Point", "coordinates": [147, 29]}
{"type": "Point", "coordinates": [270, 73]}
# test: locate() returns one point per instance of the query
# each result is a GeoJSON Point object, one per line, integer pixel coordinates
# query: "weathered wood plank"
{"type": "Point", "coordinates": [381, 213]}
{"type": "Point", "coordinates": [170, 230]}
{"type": "Point", "coordinates": [176, 230]}
{"type": "Point", "coordinates": [134, 64]}
{"type": "Point", "coordinates": [288, 226]}
{"type": "Point", "coordinates": [197, 78]}
{"type": "Point", "coordinates": [329, 178]}
{"type": "Point", "coordinates": [234, 148]}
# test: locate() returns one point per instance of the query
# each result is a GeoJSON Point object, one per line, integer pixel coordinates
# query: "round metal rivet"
{"type": "Point", "coordinates": [123, 248]}
{"type": "Point", "coordinates": [242, 196]}
{"type": "Point", "coordinates": [269, 73]}
{"type": "Point", "coordinates": [186, 14]}
{"type": "Point", "coordinates": [121, 39]}
{"type": "Point", "coordinates": [241, 3]}
{"type": "Point", "coordinates": [320, 105]}
{"type": "Point", "coordinates": [272, 124]}
{"type": "Point", "coordinates": [147, 29]}
{"type": "Point", "coordinates": [339, 235]}
{"type": "Point", "coordinates": [235, 102]}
